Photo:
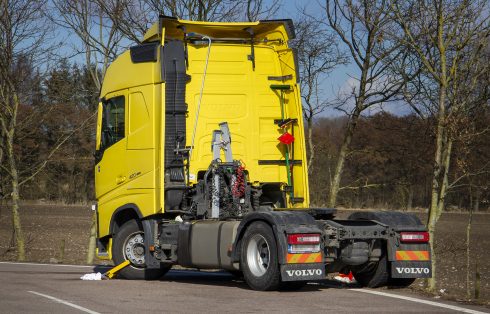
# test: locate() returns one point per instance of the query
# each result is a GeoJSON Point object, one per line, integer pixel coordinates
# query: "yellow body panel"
{"type": "Point", "coordinates": [172, 28]}
{"type": "Point", "coordinates": [236, 93]}
{"type": "Point", "coordinates": [123, 74]}
{"type": "Point", "coordinates": [130, 171]}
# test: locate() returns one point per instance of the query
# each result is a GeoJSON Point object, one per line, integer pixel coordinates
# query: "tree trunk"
{"type": "Point", "coordinates": [344, 148]}
{"type": "Point", "coordinates": [477, 282]}
{"type": "Point", "coordinates": [439, 180]}
{"type": "Point", "coordinates": [311, 145]}
{"type": "Point", "coordinates": [351, 125]}
{"type": "Point", "coordinates": [476, 201]}
{"type": "Point", "coordinates": [92, 239]}
{"type": "Point", "coordinates": [19, 235]}
{"type": "Point", "coordinates": [437, 206]}
{"type": "Point", "coordinates": [468, 254]}
{"type": "Point", "coordinates": [410, 197]}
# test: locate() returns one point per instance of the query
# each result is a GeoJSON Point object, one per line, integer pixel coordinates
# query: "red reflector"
{"type": "Point", "coordinates": [286, 138]}
{"type": "Point", "coordinates": [414, 236]}
{"type": "Point", "coordinates": [304, 238]}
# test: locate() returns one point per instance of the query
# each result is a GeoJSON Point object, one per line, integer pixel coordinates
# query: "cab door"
{"type": "Point", "coordinates": [111, 154]}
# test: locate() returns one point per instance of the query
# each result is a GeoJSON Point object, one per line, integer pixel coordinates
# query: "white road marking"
{"type": "Point", "coordinates": [438, 304]}
{"type": "Point", "coordinates": [395, 296]}
{"type": "Point", "coordinates": [58, 265]}
{"type": "Point", "coordinates": [78, 307]}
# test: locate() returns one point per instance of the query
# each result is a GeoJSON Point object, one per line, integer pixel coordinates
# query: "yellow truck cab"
{"type": "Point", "coordinates": [200, 161]}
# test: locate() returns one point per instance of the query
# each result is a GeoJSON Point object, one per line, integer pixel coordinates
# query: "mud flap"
{"type": "Point", "coordinates": [411, 269]}
{"type": "Point", "coordinates": [302, 272]}
{"type": "Point", "coordinates": [150, 260]}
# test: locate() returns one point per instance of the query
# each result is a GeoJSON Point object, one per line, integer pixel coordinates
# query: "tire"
{"type": "Point", "coordinates": [258, 258]}
{"type": "Point", "coordinates": [128, 244]}
{"type": "Point", "coordinates": [373, 275]}
{"type": "Point", "coordinates": [382, 276]}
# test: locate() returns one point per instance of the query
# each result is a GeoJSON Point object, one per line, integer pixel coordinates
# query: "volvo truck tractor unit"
{"type": "Point", "coordinates": [200, 162]}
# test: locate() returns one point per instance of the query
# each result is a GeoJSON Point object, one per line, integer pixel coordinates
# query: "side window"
{"type": "Point", "coordinates": [113, 121]}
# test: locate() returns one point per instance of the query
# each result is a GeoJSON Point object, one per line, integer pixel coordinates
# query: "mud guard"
{"type": "Point", "coordinates": [396, 220]}
{"type": "Point", "coordinates": [398, 266]}
{"type": "Point", "coordinates": [282, 222]}
{"type": "Point", "coordinates": [148, 229]}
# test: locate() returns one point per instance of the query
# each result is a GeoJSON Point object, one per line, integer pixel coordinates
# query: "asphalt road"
{"type": "Point", "coordinates": [39, 288]}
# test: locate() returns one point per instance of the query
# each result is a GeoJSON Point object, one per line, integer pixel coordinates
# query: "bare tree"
{"type": "Point", "coordinates": [259, 9]}
{"type": "Point", "coordinates": [24, 46]}
{"type": "Point", "coordinates": [97, 26]}
{"type": "Point", "coordinates": [318, 54]}
{"type": "Point", "coordinates": [22, 35]}
{"type": "Point", "coordinates": [468, 138]}
{"type": "Point", "coordinates": [363, 28]}
{"type": "Point", "coordinates": [221, 10]}
{"type": "Point", "coordinates": [448, 37]}
{"type": "Point", "coordinates": [471, 94]}
{"type": "Point", "coordinates": [100, 36]}
{"type": "Point", "coordinates": [134, 17]}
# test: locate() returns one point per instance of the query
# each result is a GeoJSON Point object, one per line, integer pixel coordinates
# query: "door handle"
{"type": "Point", "coordinates": [120, 179]}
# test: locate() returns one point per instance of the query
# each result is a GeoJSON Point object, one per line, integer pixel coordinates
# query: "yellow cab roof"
{"type": "Point", "coordinates": [174, 29]}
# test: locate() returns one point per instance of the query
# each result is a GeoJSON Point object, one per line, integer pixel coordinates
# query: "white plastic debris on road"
{"type": "Point", "coordinates": [345, 279]}
{"type": "Point", "coordinates": [92, 276]}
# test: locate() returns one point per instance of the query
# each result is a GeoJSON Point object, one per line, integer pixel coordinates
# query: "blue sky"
{"type": "Point", "coordinates": [289, 9]}
{"type": "Point", "coordinates": [342, 78]}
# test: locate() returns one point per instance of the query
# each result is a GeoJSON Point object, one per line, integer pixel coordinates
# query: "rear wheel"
{"type": "Point", "coordinates": [376, 275]}
{"type": "Point", "coordinates": [128, 244]}
{"type": "Point", "coordinates": [259, 261]}
{"type": "Point", "coordinates": [373, 275]}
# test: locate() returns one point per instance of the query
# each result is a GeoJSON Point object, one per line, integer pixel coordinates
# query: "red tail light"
{"type": "Point", "coordinates": [414, 237]}
{"type": "Point", "coordinates": [304, 238]}
{"type": "Point", "coordinates": [303, 243]}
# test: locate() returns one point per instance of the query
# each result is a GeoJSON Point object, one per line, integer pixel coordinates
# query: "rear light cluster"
{"type": "Point", "coordinates": [414, 237]}
{"type": "Point", "coordinates": [303, 243]}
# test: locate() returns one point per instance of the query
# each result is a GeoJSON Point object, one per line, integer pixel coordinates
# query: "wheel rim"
{"type": "Point", "coordinates": [134, 249]}
{"type": "Point", "coordinates": [258, 255]}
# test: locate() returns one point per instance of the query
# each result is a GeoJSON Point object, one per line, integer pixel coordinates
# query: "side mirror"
{"type": "Point", "coordinates": [98, 136]}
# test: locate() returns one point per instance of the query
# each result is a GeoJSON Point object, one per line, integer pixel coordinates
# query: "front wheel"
{"type": "Point", "coordinates": [259, 260]}
{"type": "Point", "coordinates": [128, 244]}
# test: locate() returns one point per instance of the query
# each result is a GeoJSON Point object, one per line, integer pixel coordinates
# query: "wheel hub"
{"type": "Point", "coordinates": [258, 255]}
{"type": "Point", "coordinates": [134, 249]}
